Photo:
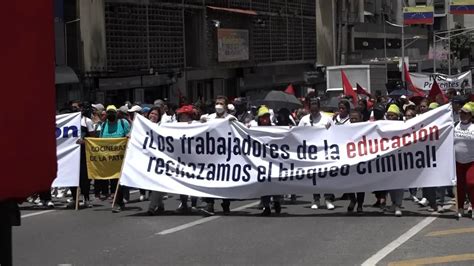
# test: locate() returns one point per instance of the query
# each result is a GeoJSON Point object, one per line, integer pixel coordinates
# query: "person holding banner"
{"type": "Point", "coordinates": [396, 195]}
{"type": "Point", "coordinates": [185, 114]}
{"type": "Point", "coordinates": [356, 117]}
{"type": "Point", "coordinates": [263, 119]}
{"type": "Point", "coordinates": [316, 118]}
{"type": "Point", "coordinates": [221, 113]}
{"type": "Point", "coordinates": [156, 205]}
{"type": "Point", "coordinates": [464, 147]}
{"type": "Point", "coordinates": [114, 127]}
{"type": "Point", "coordinates": [87, 130]}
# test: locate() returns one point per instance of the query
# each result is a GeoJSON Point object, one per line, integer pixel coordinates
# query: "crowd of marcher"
{"type": "Point", "coordinates": [112, 122]}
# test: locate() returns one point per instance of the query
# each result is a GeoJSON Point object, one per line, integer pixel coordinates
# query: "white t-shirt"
{"type": "Point", "coordinates": [214, 116]}
{"type": "Point", "coordinates": [322, 120]}
{"type": "Point", "coordinates": [341, 121]}
{"type": "Point", "coordinates": [464, 142]}
{"type": "Point", "coordinates": [165, 118]}
{"type": "Point", "coordinates": [87, 123]}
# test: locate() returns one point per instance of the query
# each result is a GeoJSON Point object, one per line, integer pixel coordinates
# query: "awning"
{"type": "Point", "coordinates": [234, 10]}
{"type": "Point", "coordinates": [65, 75]}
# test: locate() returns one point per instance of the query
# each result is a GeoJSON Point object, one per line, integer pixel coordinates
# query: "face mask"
{"type": "Point", "coordinates": [219, 108]}
{"type": "Point", "coordinates": [111, 117]}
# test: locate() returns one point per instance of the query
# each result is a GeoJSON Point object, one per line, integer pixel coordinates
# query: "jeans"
{"type": "Point", "coordinates": [397, 196]}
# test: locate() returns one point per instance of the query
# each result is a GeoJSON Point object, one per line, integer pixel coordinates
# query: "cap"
{"type": "Point", "coordinates": [98, 106]}
{"type": "Point", "coordinates": [187, 109]}
{"type": "Point", "coordinates": [135, 108]}
{"type": "Point", "coordinates": [123, 109]}
{"type": "Point", "coordinates": [403, 97]}
{"type": "Point", "coordinates": [111, 108]}
{"type": "Point", "coordinates": [159, 103]}
{"type": "Point", "coordinates": [263, 110]}
{"type": "Point", "coordinates": [468, 108]}
{"type": "Point", "coordinates": [433, 106]}
{"type": "Point", "coordinates": [393, 108]}
{"type": "Point", "coordinates": [146, 109]}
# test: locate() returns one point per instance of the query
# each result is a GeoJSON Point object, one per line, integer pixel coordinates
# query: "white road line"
{"type": "Point", "coordinates": [377, 257]}
{"type": "Point", "coordinates": [201, 221]}
{"type": "Point", "coordinates": [36, 213]}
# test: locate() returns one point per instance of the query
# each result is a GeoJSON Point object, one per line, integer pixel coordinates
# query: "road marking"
{"type": "Point", "coordinates": [452, 232]}
{"type": "Point", "coordinates": [201, 221]}
{"type": "Point", "coordinates": [377, 257]}
{"type": "Point", "coordinates": [36, 213]}
{"type": "Point", "coordinates": [434, 260]}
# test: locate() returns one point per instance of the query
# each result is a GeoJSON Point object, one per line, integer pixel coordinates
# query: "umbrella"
{"type": "Point", "coordinates": [399, 92]}
{"type": "Point", "coordinates": [279, 99]}
{"type": "Point", "coordinates": [332, 104]}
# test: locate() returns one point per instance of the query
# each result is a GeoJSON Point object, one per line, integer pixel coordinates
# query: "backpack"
{"type": "Point", "coordinates": [102, 127]}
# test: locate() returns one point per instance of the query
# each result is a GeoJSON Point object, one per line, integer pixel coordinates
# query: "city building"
{"type": "Point", "coordinates": [142, 50]}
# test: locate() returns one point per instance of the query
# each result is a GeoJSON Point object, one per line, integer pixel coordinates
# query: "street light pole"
{"type": "Point", "coordinates": [403, 55]}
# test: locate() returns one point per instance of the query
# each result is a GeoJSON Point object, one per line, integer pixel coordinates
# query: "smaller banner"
{"type": "Point", "coordinates": [232, 45]}
{"type": "Point", "coordinates": [418, 15]}
{"type": "Point", "coordinates": [105, 157]}
{"type": "Point", "coordinates": [461, 7]}
{"type": "Point", "coordinates": [425, 81]}
{"type": "Point", "coordinates": [68, 132]}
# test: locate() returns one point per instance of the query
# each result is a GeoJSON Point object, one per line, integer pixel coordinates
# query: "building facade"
{"type": "Point", "coordinates": [142, 50]}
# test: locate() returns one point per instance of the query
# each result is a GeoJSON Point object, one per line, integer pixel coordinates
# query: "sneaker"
{"type": "Point", "coordinates": [69, 193]}
{"type": "Point", "coordinates": [440, 209]}
{"type": "Point", "coordinates": [398, 213]}
{"type": "Point", "coordinates": [37, 200]}
{"type": "Point", "coordinates": [30, 199]}
{"type": "Point", "coordinates": [50, 204]}
{"type": "Point", "coordinates": [88, 204]}
{"type": "Point", "coordinates": [117, 209]}
{"type": "Point", "coordinates": [315, 205]}
{"type": "Point", "coordinates": [225, 208]}
{"type": "Point", "coordinates": [125, 201]}
{"type": "Point", "coordinates": [351, 206]}
{"type": "Point", "coordinates": [329, 205]}
{"type": "Point", "coordinates": [423, 202]}
{"type": "Point", "coordinates": [40, 204]}
{"type": "Point", "coordinates": [460, 213]}
{"type": "Point", "coordinates": [415, 199]}
{"type": "Point", "coordinates": [71, 204]}
{"type": "Point", "coordinates": [277, 207]}
{"type": "Point", "coordinates": [359, 209]}
{"type": "Point", "coordinates": [266, 212]}
{"type": "Point", "coordinates": [182, 208]}
{"type": "Point", "coordinates": [142, 198]}
{"type": "Point", "coordinates": [469, 209]}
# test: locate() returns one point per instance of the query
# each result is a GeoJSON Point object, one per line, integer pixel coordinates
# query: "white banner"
{"type": "Point", "coordinates": [68, 131]}
{"type": "Point", "coordinates": [224, 159]}
{"type": "Point", "coordinates": [424, 81]}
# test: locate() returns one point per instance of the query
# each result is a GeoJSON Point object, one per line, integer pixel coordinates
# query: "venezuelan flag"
{"type": "Point", "coordinates": [461, 7]}
{"type": "Point", "coordinates": [418, 15]}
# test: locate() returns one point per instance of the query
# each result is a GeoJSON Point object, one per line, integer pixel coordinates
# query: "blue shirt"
{"type": "Point", "coordinates": [118, 129]}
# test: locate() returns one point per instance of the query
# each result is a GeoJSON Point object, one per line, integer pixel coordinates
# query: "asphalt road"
{"type": "Point", "coordinates": [298, 236]}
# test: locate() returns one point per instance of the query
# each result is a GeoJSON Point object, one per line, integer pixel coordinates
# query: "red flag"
{"type": "Point", "coordinates": [435, 91]}
{"type": "Point", "coordinates": [362, 91]}
{"type": "Point", "coordinates": [29, 144]}
{"type": "Point", "coordinates": [290, 90]}
{"type": "Point", "coordinates": [348, 89]}
{"type": "Point", "coordinates": [410, 86]}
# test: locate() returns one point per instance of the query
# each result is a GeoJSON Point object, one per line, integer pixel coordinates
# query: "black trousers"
{"type": "Point", "coordinates": [359, 198]}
